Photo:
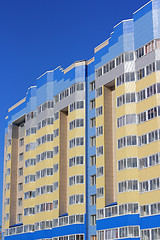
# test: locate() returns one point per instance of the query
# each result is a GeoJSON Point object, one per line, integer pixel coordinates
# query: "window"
{"type": "Point", "coordinates": [21, 157]}
{"type": "Point", "coordinates": [19, 217]}
{"type": "Point", "coordinates": [98, 72]}
{"type": "Point", "coordinates": [93, 219]}
{"type": "Point", "coordinates": [92, 122]}
{"type": "Point", "coordinates": [20, 171]}
{"type": "Point", "coordinates": [92, 86]}
{"type": "Point", "coordinates": [141, 74]}
{"type": "Point", "coordinates": [21, 142]}
{"type": "Point", "coordinates": [99, 131]}
{"type": "Point", "coordinates": [19, 202]}
{"type": "Point", "coordinates": [119, 60]}
{"type": "Point", "coordinates": [93, 199]}
{"type": "Point", "coordinates": [92, 141]}
{"type": "Point", "coordinates": [140, 52]}
{"type": "Point", "coordinates": [129, 77]}
{"type": "Point", "coordinates": [99, 111]}
{"type": "Point", "coordinates": [99, 151]}
{"type": "Point", "coordinates": [129, 56]}
{"type": "Point", "coordinates": [8, 156]}
{"type": "Point", "coordinates": [92, 104]}
{"type": "Point", "coordinates": [100, 192]}
{"type": "Point", "coordinates": [93, 180]}
{"type": "Point", "coordinates": [93, 160]}
{"type": "Point", "coordinates": [55, 168]}
{"type": "Point", "coordinates": [20, 186]}
{"type": "Point", "coordinates": [55, 150]}
{"type": "Point", "coordinates": [55, 204]}
{"type": "Point", "coordinates": [99, 172]}
{"type": "Point", "coordinates": [120, 80]}
{"type": "Point", "coordinates": [99, 92]}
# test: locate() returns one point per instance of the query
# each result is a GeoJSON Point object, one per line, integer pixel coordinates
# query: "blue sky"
{"type": "Point", "coordinates": [39, 35]}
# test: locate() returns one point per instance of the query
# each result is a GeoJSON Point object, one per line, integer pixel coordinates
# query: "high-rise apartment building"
{"type": "Point", "coordinates": [82, 149]}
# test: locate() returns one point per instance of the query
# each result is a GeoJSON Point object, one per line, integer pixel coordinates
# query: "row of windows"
{"type": "Point", "coordinates": [150, 234]}
{"type": "Point", "coordinates": [44, 139]}
{"type": "Point", "coordinates": [150, 209]}
{"type": "Point", "coordinates": [76, 105]}
{"type": "Point", "coordinates": [127, 77]}
{"type": "Point", "coordinates": [75, 142]}
{"type": "Point", "coordinates": [126, 98]}
{"type": "Point", "coordinates": [78, 179]}
{"type": "Point", "coordinates": [30, 146]}
{"type": "Point", "coordinates": [46, 206]}
{"type": "Point", "coordinates": [149, 114]}
{"type": "Point", "coordinates": [76, 199]}
{"type": "Point", "coordinates": [74, 219]}
{"type": "Point", "coordinates": [148, 92]}
{"type": "Point", "coordinates": [127, 163]}
{"type": "Point", "coordinates": [149, 137]}
{"type": "Point", "coordinates": [29, 194]}
{"type": "Point", "coordinates": [123, 209]}
{"type": "Point", "coordinates": [140, 96]}
{"type": "Point", "coordinates": [30, 115]}
{"type": "Point", "coordinates": [76, 123]}
{"type": "Point", "coordinates": [127, 141]}
{"type": "Point", "coordinates": [44, 106]}
{"type": "Point", "coordinates": [149, 161]}
{"type": "Point", "coordinates": [30, 131]}
{"type": "Point", "coordinates": [30, 162]}
{"type": "Point", "coordinates": [145, 162]}
{"type": "Point", "coordinates": [29, 211]}
{"type": "Point", "coordinates": [30, 178]}
{"type": "Point", "coordinates": [114, 63]}
{"type": "Point", "coordinates": [46, 189]}
{"type": "Point", "coordinates": [117, 233]}
{"type": "Point", "coordinates": [44, 155]}
{"type": "Point", "coordinates": [149, 185]}
{"type": "Point", "coordinates": [78, 160]}
{"type": "Point", "coordinates": [69, 91]}
{"type": "Point", "coordinates": [128, 185]}
{"type": "Point", "coordinates": [44, 122]}
{"type": "Point", "coordinates": [47, 171]}
{"type": "Point", "coordinates": [147, 48]}
{"type": "Point", "coordinates": [126, 119]}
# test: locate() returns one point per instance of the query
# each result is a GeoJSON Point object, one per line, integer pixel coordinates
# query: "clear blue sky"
{"type": "Point", "coordinates": [39, 35]}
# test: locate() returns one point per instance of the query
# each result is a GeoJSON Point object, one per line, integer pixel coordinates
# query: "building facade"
{"type": "Point", "coordinates": [82, 149]}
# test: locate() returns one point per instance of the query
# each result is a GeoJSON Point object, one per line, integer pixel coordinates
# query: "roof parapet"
{"type": "Point", "coordinates": [102, 45]}
{"type": "Point", "coordinates": [142, 7]}
{"type": "Point", "coordinates": [17, 104]}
